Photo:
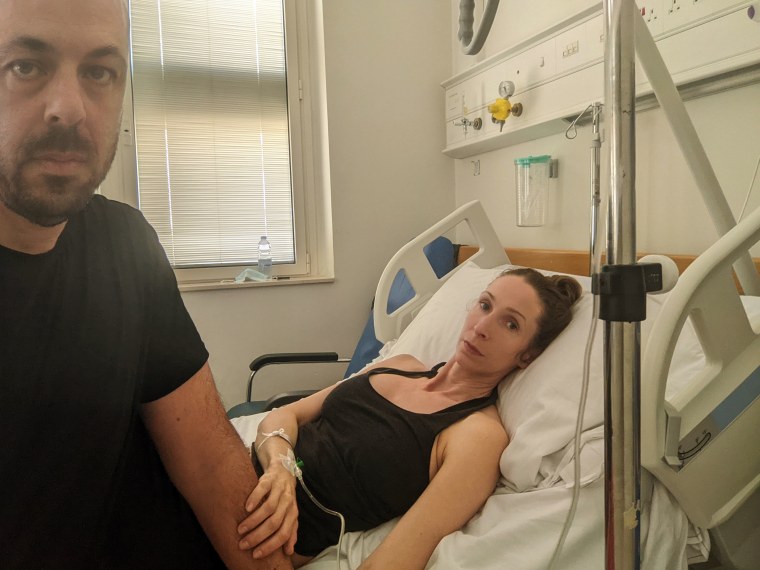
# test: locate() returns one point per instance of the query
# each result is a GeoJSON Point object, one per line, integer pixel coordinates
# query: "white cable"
{"type": "Point", "coordinates": [749, 191]}
{"type": "Point", "coordinates": [329, 512]}
{"type": "Point", "coordinates": [578, 430]}
{"type": "Point", "coordinates": [290, 463]}
{"type": "Point", "coordinates": [596, 262]}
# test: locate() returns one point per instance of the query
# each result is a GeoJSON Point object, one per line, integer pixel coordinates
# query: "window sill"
{"type": "Point", "coordinates": [230, 284]}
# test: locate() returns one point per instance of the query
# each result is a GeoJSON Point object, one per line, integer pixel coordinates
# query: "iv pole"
{"type": "Point", "coordinates": [596, 177]}
{"type": "Point", "coordinates": [622, 339]}
{"type": "Point", "coordinates": [624, 29]}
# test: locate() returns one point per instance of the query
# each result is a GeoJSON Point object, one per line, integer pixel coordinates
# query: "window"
{"type": "Point", "coordinates": [217, 102]}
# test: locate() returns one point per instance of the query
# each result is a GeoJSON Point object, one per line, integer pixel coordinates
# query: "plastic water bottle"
{"type": "Point", "coordinates": [265, 257]}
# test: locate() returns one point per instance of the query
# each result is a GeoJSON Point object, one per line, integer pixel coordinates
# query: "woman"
{"type": "Point", "coordinates": [381, 445]}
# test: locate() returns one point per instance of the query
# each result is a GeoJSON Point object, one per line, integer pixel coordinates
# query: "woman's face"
{"type": "Point", "coordinates": [500, 327]}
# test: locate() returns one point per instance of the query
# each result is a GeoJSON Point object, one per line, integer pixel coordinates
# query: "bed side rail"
{"type": "Point", "coordinates": [702, 444]}
{"type": "Point", "coordinates": [411, 259]}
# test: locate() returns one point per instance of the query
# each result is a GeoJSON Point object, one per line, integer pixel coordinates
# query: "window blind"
{"type": "Point", "coordinates": [211, 128]}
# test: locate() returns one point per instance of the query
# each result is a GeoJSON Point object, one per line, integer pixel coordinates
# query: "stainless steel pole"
{"type": "Point", "coordinates": [622, 340]}
{"type": "Point", "coordinates": [596, 179]}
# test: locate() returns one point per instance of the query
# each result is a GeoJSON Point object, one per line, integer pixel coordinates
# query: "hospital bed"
{"type": "Point", "coordinates": [700, 382]}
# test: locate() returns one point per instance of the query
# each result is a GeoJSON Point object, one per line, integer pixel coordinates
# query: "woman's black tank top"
{"type": "Point", "coordinates": [366, 458]}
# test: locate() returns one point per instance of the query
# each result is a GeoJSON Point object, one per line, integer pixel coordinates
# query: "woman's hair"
{"type": "Point", "coordinates": [557, 294]}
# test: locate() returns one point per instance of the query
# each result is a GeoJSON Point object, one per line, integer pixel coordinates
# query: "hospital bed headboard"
{"type": "Point", "coordinates": [702, 443]}
{"type": "Point", "coordinates": [411, 260]}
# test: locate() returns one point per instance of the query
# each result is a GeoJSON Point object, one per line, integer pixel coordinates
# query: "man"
{"type": "Point", "coordinates": [105, 392]}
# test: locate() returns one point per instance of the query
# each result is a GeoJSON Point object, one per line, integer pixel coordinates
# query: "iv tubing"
{"type": "Point", "coordinates": [594, 264]}
{"type": "Point", "coordinates": [749, 190]}
{"type": "Point", "coordinates": [294, 467]}
{"type": "Point", "coordinates": [329, 512]}
{"type": "Point", "coordinates": [577, 440]}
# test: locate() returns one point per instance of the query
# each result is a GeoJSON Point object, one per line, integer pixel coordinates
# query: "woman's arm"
{"type": "Point", "coordinates": [273, 518]}
{"type": "Point", "coordinates": [273, 515]}
{"type": "Point", "coordinates": [469, 454]}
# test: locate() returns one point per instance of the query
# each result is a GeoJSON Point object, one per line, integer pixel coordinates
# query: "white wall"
{"type": "Point", "coordinates": [384, 64]}
{"type": "Point", "coordinates": [515, 22]}
{"type": "Point", "coordinates": [670, 213]}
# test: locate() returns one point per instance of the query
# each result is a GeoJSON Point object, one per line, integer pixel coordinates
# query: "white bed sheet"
{"type": "Point", "coordinates": [520, 530]}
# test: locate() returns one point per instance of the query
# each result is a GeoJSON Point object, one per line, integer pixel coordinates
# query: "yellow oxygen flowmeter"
{"type": "Point", "coordinates": [502, 108]}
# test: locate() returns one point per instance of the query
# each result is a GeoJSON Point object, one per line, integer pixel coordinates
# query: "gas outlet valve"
{"type": "Point", "coordinates": [502, 108]}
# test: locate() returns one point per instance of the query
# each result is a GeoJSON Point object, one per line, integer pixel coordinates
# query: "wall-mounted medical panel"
{"type": "Point", "coordinates": [559, 73]}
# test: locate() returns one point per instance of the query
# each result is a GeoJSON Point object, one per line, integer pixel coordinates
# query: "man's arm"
{"type": "Point", "coordinates": [208, 463]}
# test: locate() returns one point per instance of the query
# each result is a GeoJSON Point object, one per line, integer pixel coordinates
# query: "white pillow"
{"type": "Point", "coordinates": [538, 405]}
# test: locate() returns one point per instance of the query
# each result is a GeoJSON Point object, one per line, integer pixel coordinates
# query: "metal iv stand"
{"type": "Point", "coordinates": [596, 177]}
{"type": "Point", "coordinates": [622, 332]}
{"type": "Point", "coordinates": [621, 339]}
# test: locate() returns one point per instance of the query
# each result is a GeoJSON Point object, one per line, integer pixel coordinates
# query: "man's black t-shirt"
{"type": "Point", "coordinates": [88, 332]}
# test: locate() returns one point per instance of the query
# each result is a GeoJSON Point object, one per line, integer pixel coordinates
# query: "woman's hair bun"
{"type": "Point", "coordinates": [567, 287]}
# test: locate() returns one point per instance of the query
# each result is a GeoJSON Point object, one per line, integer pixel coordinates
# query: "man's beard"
{"type": "Point", "coordinates": [51, 200]}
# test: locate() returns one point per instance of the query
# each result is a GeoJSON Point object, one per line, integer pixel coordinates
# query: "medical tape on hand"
{"type": "Point", "coordinates": [290, 464]}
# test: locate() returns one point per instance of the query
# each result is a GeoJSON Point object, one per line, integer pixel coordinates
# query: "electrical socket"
{"type": "Point", "coordinates": [652, 12]}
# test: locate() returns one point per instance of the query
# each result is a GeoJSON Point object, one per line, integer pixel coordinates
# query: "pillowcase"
{"type": "Point", "coordinates": [539, 404]}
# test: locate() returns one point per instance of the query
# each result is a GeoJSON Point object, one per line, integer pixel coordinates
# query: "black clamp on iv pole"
{"type": "Point", "coordinates": [622, 290]}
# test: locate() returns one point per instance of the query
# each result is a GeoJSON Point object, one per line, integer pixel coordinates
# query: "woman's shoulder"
{"type": "Point", "coordinates": [480, 438]}
{"type": "Point", "coordinates": [483, 425]}
{"type": "Point", "coordinates": [402, 362]}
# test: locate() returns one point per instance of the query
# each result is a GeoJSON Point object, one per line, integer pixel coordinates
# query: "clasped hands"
{"type": "Point", "coordinates": [273, 519]}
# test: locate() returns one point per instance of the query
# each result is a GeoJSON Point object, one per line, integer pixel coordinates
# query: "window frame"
{"type": "Point", "coordinates": [304, 51]}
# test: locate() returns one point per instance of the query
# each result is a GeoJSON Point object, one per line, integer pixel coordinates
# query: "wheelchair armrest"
{"type": "Point", "coordinates": [251, 408]}
{"type": "Point", "coordinates": [289, 358]}
{"type": "Point", "coordinates": [286, 398]}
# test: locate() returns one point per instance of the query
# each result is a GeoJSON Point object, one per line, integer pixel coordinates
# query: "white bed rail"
{"type": "Point", "coordinates": [703, 444]}
{"type": "Point", "coordinates": [411, 259]}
